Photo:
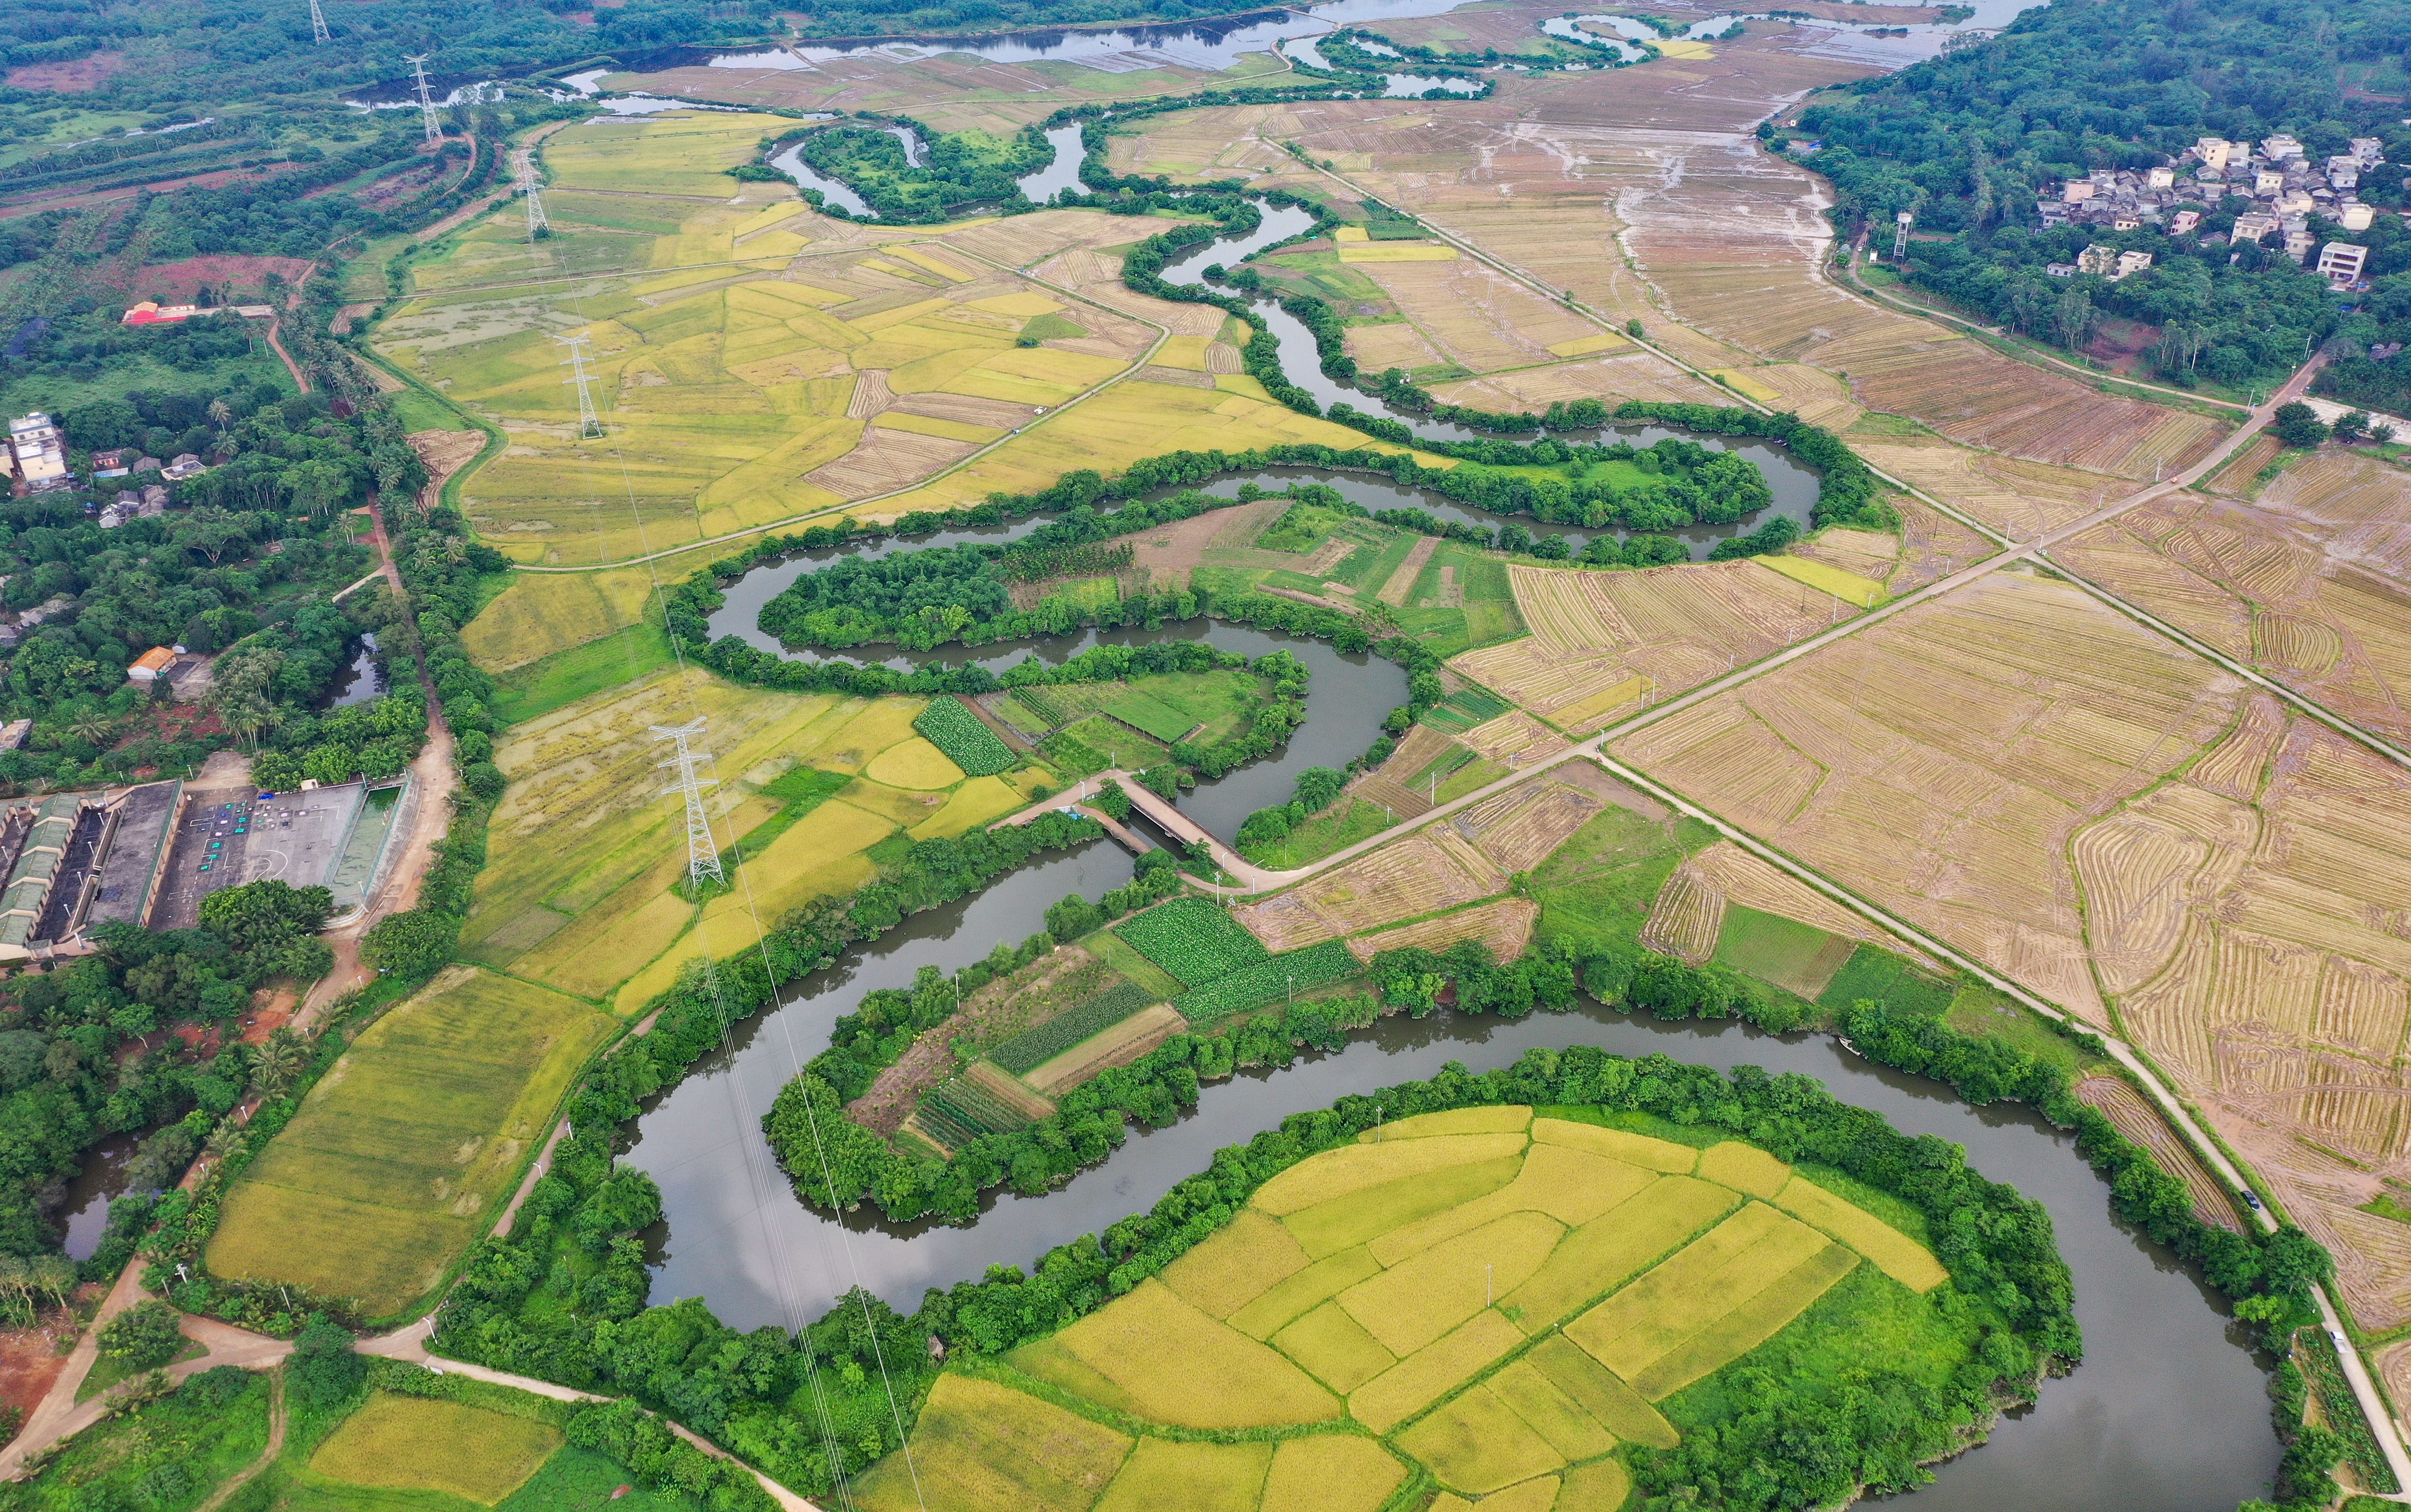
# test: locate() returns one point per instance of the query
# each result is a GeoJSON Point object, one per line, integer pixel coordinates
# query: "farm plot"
{"type": "Point", "coordinates": [2328, 614]}
{"type": "Point", "coordinates": [1521, 827]}
{"type": "Point", "coordinates": [1939, 762]}
{"type": "Point", "coordinates": [956, 731]}
{"type": "Point", "coordinates": [1416, 1285]}
{"type": "Point", "coordinates": [1601, 642]}
{"type": "Point", "coordinates": [1505, 926]}
{"type": "Point", "coordinates": [2140, 1120]}
{"type": "Point", "coordinates": [1425, 873]}
{"type": "Point", "coordinates": [2243, 923]}
{"type": "Point", "coordinates": [2017, 498]}
{"type": "Point", "coordinates": [1190, 939]}
{"type": "Point", "coordinates": [400, 1153]}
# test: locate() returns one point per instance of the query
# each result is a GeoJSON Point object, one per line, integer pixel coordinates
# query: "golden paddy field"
{"type": "Point", "coordinates": [1501, 1300]}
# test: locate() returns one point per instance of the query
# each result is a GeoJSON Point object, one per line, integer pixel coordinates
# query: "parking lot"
{"type": "Point", "coordinates": [228, 837]}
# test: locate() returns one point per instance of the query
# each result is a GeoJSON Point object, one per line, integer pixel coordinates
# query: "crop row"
{"type": "Point", "coordinates": [1192, 939]}
{"type": "Point", "coordinates": [950, 725]}
{"type": "Point", "coordinates": [959, 1109]}
{"type": "Point", "coordinates": [1272, 979]}
{"type": "Point", "coordinates": [1028, 1051]}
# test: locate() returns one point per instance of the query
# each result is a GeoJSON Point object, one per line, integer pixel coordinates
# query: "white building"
{"type": "Point", "coordinates": [2341, 262]}
{"type": "Point", "coordinates": [41, 453]}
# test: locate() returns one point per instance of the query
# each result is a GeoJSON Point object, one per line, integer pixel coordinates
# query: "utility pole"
{"type": "Point", "coordinates": [702, 852]}
{"type": "Point", "coordinates": [426, 100]}
{"type": "Point", "coordinates": [529, 188]}
{"type": "Point", "coordinates": [318, 32]}
{"type": "Point", "coordinates": [590, 425]}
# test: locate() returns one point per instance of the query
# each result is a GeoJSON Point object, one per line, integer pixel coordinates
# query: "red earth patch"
{"type": "Point", "coordinates": [177, 283]}
{"type": "Point", "coordinates": [67, 78]}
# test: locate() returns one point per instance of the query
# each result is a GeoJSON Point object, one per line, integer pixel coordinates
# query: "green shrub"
{"type": "Point", "coordinates": [143, 1337]}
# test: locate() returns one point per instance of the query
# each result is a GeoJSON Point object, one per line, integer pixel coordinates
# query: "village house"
{"type": "Point", "coordinates": [40, 453]}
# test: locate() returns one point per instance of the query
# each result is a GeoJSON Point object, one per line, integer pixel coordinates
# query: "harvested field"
{"type": "Point", "coordinates": [1688, 917]}
{"type": "Point", "coordinates": [1940, 762]}
{"type": "Point", "coordinates": [1425, 873]}
{"type": "Point", "coordinates": [2018, 498]}
{"type": "Point", "coordinates": [1743, 879]}
{"type": "Point", "coordinates": [1513, 738]}
{"type": "Point", "coordinates": [2356, 506]}
{"type": "Point", "coordinates": [1505, 926]}
{"type": "Point", "coordinates": [2141, 1122]}
{"type": "Point", "coordinates": [1121, 1046]}
{"type": "Point", "coordinates": [2247, 923]}
{"type": "Point", "coordinates": [2311, 595]}
{"type": "Point", "coordinates": [1520, 827]}
{"type": "Point", "coordinates": [1602, 641]}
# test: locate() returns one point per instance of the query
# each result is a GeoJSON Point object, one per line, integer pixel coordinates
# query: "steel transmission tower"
{"type": "Point", "coordinates": [590, 425]}
{"type": "Point", "coordinates": [426, 100]}
{"type": "Point", "coordinates": [529, 187]}
{"type": "Point", "coordinates": [702, 853]}
{"type": "Point", "coordinates": [318, 32]}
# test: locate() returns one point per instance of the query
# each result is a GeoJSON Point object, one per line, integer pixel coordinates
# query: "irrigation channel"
{"type": "Point", "coordinates": [2168, 1414]}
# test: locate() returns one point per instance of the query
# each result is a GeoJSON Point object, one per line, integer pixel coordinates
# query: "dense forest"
{"type": "Point", "coordinates": [245, 568]}
{"type": "Point", "coordinates": [1968, 142]}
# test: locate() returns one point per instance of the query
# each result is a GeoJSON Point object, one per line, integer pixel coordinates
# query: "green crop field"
{"type": "Point", "coordinates": [1876, 975]}
{"type": "Point", "coordinates": [949, 724]}
{"type": "Point", "coordinates": [1151, 715]}
{"type": "Point", "coordinates": [399, 1153]}
{"type": "Point", "coordinates": [1799, 958]}
{"type": "Point", "coordinates": [1190, 939]}
{"type": "Point", "coordinates": [1510, 1301]}
{"type": "Point", "coordinates": [1028, 1051]}
{"type": "Point", "coordinates": [1269, 979]}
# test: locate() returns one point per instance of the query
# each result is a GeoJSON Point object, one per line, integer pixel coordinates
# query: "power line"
{"type": "Point", "coordinates": [702, 850]}
{"type": "Point", "coordinates": [318, 32]}
{"type": "Point", "coordinates": [590, 425]}
{"type": "Point", "coordinates": [426, 100]}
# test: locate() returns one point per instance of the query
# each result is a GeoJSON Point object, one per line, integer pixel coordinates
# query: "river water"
{"type": "Point", "coordinates": [2168, 1414]}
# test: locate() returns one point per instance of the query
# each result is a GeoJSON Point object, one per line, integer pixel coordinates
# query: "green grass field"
{"type": "Point", "coordinates": [1876, 975]}
{"type": "Point", "coordinates": [1598, 888]}
{"type": "Point", "coordinates": [1499, 1297]}
{"type": "Point", "coordinates": [400, 1152]}
{"type": "Point", "coordinates": [167, 1456]}
{"type": "Point", "coordinates": [1336, 828]}
{"type": "Point", "coordinates": [1799, 958]}
{"type": "Point", "coordinates": [566, 676]}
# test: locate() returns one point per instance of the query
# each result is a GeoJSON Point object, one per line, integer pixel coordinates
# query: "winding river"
{"type": "Point", "coordinates": [2168, 1414]}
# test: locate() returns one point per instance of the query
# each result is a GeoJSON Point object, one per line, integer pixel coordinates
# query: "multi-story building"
{"type": "Point", "coordinates": [41, 453]}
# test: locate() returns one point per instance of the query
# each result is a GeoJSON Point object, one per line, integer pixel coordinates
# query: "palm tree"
{"type": "Point", "coordinates": [225, 1141]}
{"type": "Point", "coordinates": [219, 414]}
{"type": "Point", "coordinates": [274, 1062]}
{"type": "Point", "coordinates": [91, 727]}
{"type": "Point", "coordinates": [55, 1273]}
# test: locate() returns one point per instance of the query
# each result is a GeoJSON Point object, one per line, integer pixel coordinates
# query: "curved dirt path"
{"type": "Point", "coordinates": [267, 1457]}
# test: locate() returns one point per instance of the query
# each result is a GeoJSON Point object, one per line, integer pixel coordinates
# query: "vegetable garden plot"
{"type": "Point", "coordinates": [1192, 939]}
{"type": "Point", "coordinates": [968, 742]}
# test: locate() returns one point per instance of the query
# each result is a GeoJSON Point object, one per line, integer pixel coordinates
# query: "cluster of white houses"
{"type": "Point", "coordinates": [2285, 185]}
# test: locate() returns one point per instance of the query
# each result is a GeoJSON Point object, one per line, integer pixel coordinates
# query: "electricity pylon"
{"type": "Point", "coordinates": [426, 101]}
{"type": "Point", "coordinates": [702, 852]}
{"type": "Point", "coordinates": [590, 425]}
{"type": "Point", "coordinates": [318, 32]}
{"type": "Point", "coordinates": [529, 188]}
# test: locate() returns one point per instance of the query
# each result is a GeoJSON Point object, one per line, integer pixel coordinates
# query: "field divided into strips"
{"type": "Point", "coordinates": [2312, 584]}
{"type": "Point", "coordinates": [2247, 921]}
{"type": "Point", "coordinates": [1733, 237]}
{"type": "Point", "coordinates": [1940, 762]}
{"type": "Point", "coordinates": [1414, 1285]}
{"type": "Point", "coordinates": [2140, 1120]}
{"type": "Point", "coordinates": [585, 854]}
{"type": "Point", "coordinates": [2016, 497]}
{"type": "Point", "coordinates": [1603, 642]}
{"type": "Point", "coordinates": [1429, 871]}
{"type": "Point", "coordinates": [399, 1153]}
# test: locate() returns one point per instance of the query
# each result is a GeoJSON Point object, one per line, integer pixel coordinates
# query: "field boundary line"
{"type": "Point", "coordinates": [1162, 334]}
{"type": "Point", "coordinates": [2373, 1407]}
